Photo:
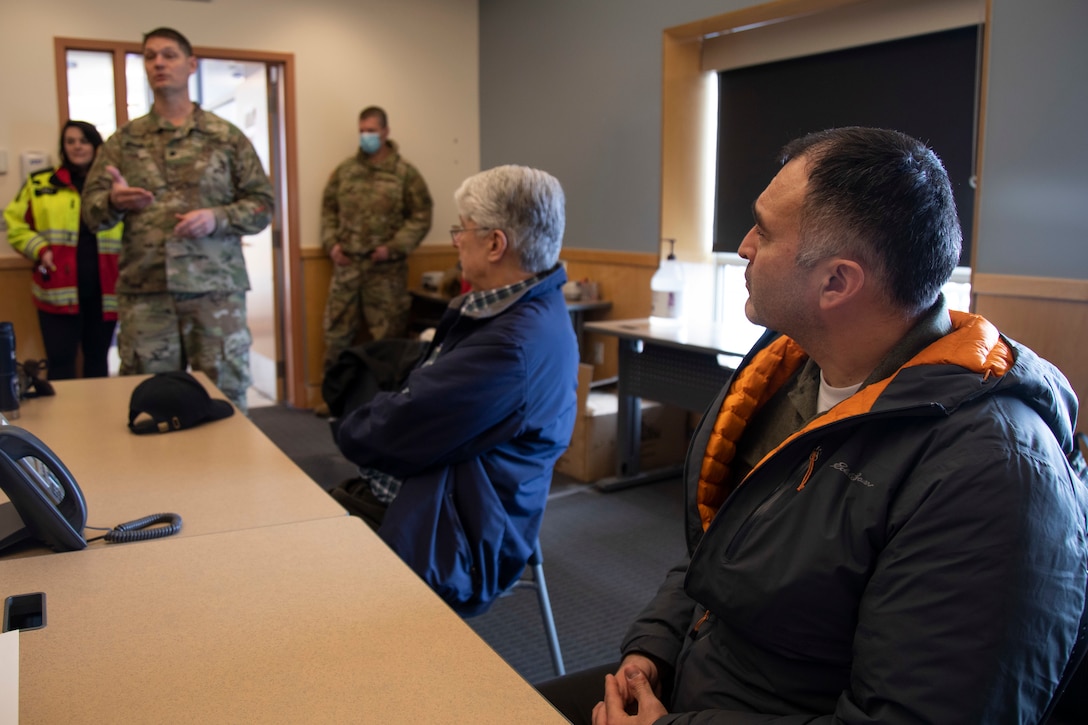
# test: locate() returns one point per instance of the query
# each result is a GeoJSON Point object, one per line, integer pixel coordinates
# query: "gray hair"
{"type": "Point", "coordinates": [527, 204]}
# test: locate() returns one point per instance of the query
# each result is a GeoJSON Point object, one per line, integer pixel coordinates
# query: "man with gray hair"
{"type": "Point", "coordinates": [455, 467]}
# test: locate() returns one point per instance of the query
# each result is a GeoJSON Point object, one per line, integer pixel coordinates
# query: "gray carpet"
{"type": "Point", "coordinates": [604, 554]}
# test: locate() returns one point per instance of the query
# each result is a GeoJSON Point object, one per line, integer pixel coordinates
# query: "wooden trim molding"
{"type": "Point", "coordinates": [685, 100]}
{"type": "Point", "coordinates": [604, 256]}
{"type": "Point", "coordinates": [980, 138]}
{"type": "Point", "coordinates": [62, 45]}
{"type": "Point", "coordinates": [15, 261]}
{"type": "Point", "coordinates": [291, 293]}
{"type": "Point", "coordinates": [17, 306]}
{"type": "Point", "coordinates": [765, 14]}
{"type": "Point", "coordinates": [1048, 288]}
{"type": "Point", "coordinates": [623, 279]}
{"type": "Point", "coordinates": [684, 189]}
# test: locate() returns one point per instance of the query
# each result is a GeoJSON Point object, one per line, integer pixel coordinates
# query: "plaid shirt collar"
{"type": "Point", "coordinates": [482, 303]}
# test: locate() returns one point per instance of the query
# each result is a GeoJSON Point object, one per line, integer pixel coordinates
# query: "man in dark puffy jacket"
{"type": "Point", "coordinates": [455, 468]}
{"type": "Point", "coordinates": [885, 526]}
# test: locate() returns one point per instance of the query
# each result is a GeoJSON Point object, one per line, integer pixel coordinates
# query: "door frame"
{"type": "Point", "coordinates": [288, 279]}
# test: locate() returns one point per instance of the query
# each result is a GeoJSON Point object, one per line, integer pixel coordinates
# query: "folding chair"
{"type": "Point", "coordinates": [535, 579]}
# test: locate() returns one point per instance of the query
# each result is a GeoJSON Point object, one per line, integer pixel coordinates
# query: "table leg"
{"type": "Point", "coordinates": [629, 429]}
{"type": "Point", "coordinates": [577, 319]}
{"type": "Point", "coordinates": [628, 414]}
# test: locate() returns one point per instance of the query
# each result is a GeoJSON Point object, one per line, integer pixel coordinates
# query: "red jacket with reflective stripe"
{"type": "Point", "coordinates": [45, 215]}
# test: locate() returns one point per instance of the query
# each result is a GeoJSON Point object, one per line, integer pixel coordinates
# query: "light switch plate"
{"type": "Point", "coordinates": [32, 161]}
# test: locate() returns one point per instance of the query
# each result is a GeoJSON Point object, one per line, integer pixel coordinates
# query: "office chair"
{"type": "Point", "coordinates": [534, 579]}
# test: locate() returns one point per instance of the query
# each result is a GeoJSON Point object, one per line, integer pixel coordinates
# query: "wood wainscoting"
{"type": "Point", "coordinates": [17, 307]}
{"type": "Point", "coordinates": [1048, 315]}
{"type": "Point", "coordinates": [623, 278]}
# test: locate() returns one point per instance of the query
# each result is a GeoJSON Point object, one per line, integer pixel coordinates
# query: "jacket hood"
{"type": "Point", "coordinates": [975, 360]}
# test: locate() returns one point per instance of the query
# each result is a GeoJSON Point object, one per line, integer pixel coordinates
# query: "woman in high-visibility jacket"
{"type": "Point", "coordinates": [75, 270]}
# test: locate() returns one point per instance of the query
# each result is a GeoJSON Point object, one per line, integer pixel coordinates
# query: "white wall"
{"type": "Point", "coordinates": [416, 58]}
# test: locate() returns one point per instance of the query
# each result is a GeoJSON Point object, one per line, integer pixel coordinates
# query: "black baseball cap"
{"type": "Point", "coordinates": [173, 400]}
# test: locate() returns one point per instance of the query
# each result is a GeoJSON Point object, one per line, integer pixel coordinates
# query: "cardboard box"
{"type": "Point", "coordinates": [592, 452]}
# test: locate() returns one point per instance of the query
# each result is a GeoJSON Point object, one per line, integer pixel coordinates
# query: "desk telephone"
{"type": "Point", "coordinates": [46, 504]}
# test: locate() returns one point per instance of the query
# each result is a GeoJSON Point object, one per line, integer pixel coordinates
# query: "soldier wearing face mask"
{"type": "Point", "coordinates": [375, 210]}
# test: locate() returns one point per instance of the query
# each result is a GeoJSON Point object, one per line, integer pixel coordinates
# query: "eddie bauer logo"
{"type": "Point", "coordinates": [855, 477]}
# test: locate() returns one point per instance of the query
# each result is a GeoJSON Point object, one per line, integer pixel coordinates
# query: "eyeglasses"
{"type": "Point", "coordinates": [454, 231]}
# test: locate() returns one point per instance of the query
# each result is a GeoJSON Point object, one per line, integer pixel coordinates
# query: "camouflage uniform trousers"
{"type": "Point", "coordinates": [206, 331]}
{"type": "Point", "coordinates": [378, 292]}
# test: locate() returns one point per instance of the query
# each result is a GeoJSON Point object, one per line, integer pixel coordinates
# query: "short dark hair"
{"type": "Point", "coordinates": [94, 138]}
{"type": "Point", "coordinates": [884, 197]}
{"type": "Point", "coordinates": [170, 34]}
{"type": "Point", "coordinates": [375, 112]}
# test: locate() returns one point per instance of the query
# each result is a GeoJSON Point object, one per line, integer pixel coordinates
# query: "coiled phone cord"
{"type": "Point", "coordinates": [138, 530]}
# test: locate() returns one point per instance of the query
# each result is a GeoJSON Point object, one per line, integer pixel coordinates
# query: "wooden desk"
{"type": "Point", "coordinates": [219, 476]}
{"type": "Point", "coordinates": [309, 622]}
{"type": "Point", "coordinates": [683, 364]}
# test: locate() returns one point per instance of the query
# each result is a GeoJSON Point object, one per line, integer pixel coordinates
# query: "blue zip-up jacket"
{"type": "Point", "coordinates": [916, 554]}
{"type": "Point", "coordinates": [473, 437]}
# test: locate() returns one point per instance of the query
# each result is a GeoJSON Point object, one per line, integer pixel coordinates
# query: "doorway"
{"type": "Point", "coordinates": [240, 91]}
{"type": "Point", "coordinates": [254, 91]}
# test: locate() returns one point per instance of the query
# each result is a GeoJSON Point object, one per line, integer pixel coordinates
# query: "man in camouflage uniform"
{"type": "Point", "coordinates": [188, 185]}
{"type": "Point", "coordinates": [375, 210]}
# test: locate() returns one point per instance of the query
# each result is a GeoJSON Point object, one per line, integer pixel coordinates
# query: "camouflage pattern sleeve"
{"type": "Point", "coordinates": [251, 210]}
{"type": "Point", "coordinates": [330, 211]}
{"type": "Point", "coordinates": [96, 210]}
{"type": "Point", "coordinates": [418, 207]}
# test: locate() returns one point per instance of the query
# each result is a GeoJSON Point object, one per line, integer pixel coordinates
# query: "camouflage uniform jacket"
{"type": "Point", "coordinates": [366, 205]}
{"type": "Point", "coordinates": [206, 163]}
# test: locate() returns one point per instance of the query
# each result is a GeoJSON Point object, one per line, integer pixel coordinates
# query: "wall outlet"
{"type": "Point", "coordinates": [598, 353]}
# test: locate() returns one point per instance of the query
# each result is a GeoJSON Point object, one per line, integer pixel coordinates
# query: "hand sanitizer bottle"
{"type": "Point", "coordinates": [667, 289]}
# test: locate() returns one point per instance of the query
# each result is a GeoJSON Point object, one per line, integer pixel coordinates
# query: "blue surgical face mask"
{"type": "Point", "coordinates": [370, 142]}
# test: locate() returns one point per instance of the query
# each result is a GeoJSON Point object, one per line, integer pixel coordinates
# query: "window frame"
{"type": "Point", "coordinates": [61, 46]}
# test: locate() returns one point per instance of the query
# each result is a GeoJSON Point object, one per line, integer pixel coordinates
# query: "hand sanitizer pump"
{"type": "Point", "coordinates": [667, 289]}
